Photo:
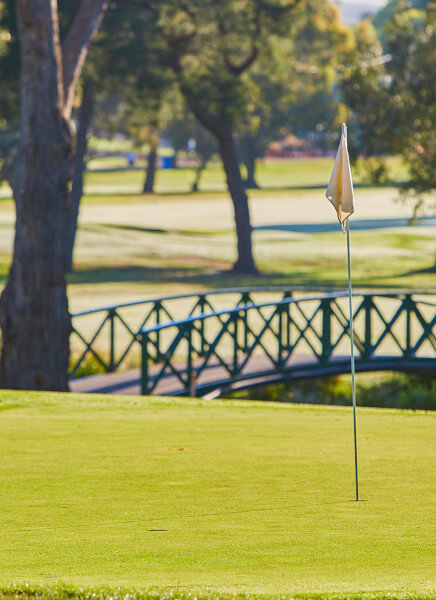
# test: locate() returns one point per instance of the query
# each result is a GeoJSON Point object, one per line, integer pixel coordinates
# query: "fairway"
{"type": "Point", "coordinates": [130, 246]}
{"type": "Point", "coordinates": [221, 495]}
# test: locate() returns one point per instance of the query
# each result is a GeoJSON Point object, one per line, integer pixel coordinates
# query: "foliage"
{"type": "Point", "coordinates": [321, 46]}
{"type": "Point", "coordinates": [387, 12]}
{"type": "Point", "coordinates": [184, 127]}
{"type": "Point", "coordinates": [395, 391]}
{"type": "Point", "coordinates": [88, 366]}
{"type": "Point", "coordinates": [394, 105]}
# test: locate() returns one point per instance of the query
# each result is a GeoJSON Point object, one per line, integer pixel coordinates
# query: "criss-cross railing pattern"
{"type": "Point", "coordinates": [252, 343]}
{"type": "Point", "coordinates": [111, 335]}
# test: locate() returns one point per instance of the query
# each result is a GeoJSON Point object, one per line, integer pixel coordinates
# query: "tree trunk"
{"type": "Point", "coordinates": [250, 165]}
{"type": "Point", "coordinates": [198, 173]}
{"type": "Point", "coordinates": [151, 170]}
{"type": "Point", "coordinates": [85, 118]}
{"type": "Point", "coordinates": [229, 156]}
{"type": "Point", "coordinates": [33, 308]}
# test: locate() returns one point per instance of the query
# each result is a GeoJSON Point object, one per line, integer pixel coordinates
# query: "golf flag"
{"type": "Point", "coordinates": [340, 188]}
{"type": "Point", "coordinates": [340, 193]}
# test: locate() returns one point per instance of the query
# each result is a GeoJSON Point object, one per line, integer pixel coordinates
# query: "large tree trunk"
{"type": "Point", "coordinates": [250, 165]}
{"type": "Point", "coordinates": [34, 314]}
{"type": "Point", "coordinates": [34, 310]}
{"type": "Point", "coordinates": [229, 156]}
{"type": "Point", "coordinates": [151, 169]}
{"type": "Point", "coordinates": [85, 118]}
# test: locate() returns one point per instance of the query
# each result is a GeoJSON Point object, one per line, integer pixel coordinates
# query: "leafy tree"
{"type": "Point", "coordinates": [295, 82]}
{"type": "Point", "coordinates": [127, 55]}
{"type": "Point", "coordinates": [34, 314]}
{"type": "Point", "coordinates": [210, 48]}
{"type": "Point", "coordinates": [394, 104]}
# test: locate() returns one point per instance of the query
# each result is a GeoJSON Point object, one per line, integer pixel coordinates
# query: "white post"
{"type": "Point", "coordinates": [353, 383]}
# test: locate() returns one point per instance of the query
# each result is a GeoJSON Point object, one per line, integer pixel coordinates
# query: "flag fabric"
{"type": "Point", "coordinates": [340, 187]}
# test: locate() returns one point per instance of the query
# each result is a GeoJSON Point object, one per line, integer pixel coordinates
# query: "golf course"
{"type": "Point", "coordinates": [217, 300]}
{"type": "Point", "coordinates": [213, 496]}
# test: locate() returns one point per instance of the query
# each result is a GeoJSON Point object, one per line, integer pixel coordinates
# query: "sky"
{"type": "Point", "coordinates": [369, 3]}
{"type": "Point", "coordinates": [353, 10]}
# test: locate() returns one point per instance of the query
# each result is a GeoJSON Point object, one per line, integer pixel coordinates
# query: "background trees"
{"type": "Point", "coordinates": [211, 48]}
{"type": "Point", "coordinates": [393, 102]}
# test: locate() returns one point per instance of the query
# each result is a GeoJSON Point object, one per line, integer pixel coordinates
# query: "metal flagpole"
{"type": "Point", "coordinates": [353, 383]}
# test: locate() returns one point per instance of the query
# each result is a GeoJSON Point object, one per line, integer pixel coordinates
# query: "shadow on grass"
{"type": "Point", "coordinates": [212, 276]}
{"type": "Point", "coordinates": [356, 225]}
{"type": "Point", "coordinates": [137, 228]}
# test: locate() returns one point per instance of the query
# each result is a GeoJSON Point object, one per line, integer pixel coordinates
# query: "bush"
{"type": "Point", "coordinates": [386, 391]}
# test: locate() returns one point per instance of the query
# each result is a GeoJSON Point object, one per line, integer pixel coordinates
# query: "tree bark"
{"type": "Point", "coordinates": [34, 315]}
{"type": "Point", "coordinates": [229, 155]}
{"type": "Point", "coordinates": [250, 165]}
{"type": "Point", "coordinates": [151, 170]}
{"type": "Point", "coordinates": [198, 173]}
{"type": "Point", "coordinates": [34, 309]}
{"type": "Point", "coordinates": [85, 118]}
{"type": "Point", "coordinates": [76, 45]}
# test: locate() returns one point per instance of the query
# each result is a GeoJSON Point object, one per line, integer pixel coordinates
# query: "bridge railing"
{"type": "Point", "coordinates": [289, 337]}
{"type": "Point", "coordinates": [110, 336]}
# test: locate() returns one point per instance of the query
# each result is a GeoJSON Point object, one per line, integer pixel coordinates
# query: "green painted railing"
{"type": "Point", "coordinates": [253, 343]}
{"type": "Point", "coordinates": [111, 334]}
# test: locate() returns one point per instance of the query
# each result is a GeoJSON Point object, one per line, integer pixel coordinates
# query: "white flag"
{"type": "Point", "coordinates": [340, 188]}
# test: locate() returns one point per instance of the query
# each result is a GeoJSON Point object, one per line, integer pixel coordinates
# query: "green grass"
{"type": "Point", "coordinates": [220, 495]}
{"type": "Point", "coordinates": [62, 592]}
{"type": "Point", "coordinates": [273, 175]}
{"type": "Point", "coordinates": [131, 246]}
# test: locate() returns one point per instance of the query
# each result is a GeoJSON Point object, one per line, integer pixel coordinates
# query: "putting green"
{"type": "Point", "coordinates": [231, 496]}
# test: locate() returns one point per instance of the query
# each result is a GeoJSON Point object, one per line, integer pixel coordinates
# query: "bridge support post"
{"type": "Point", "coordinates": [235, 343]}
{"type": "Point", "coordinates": [245, 299]}
{"type": "Point", "coordinates": [280, 337]}
{"type": "Point", "coordinates": [326, 339]}
{"type": "Point", "coordinates": [288, 319]}
{"type": "Point", "coordinates": [408, 302]}
{"type": "Point", "coordinates": [144, 364]}
{"type": "Point", "coordinates": [112, 340]}
{"type": "Point", "coordinates": [367, 352]}
{"type": "Point", "coordinates": [190, 379]}
{"type": "Point", "coordinates": [157, 309]}
{"type": "Point", "coordinates": [202, 304]}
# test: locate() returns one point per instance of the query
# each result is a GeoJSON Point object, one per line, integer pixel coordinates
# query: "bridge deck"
{"type": "Point", "coordinates": [129, 382]}
{"type": "Point", "coordinates": [215, 380]}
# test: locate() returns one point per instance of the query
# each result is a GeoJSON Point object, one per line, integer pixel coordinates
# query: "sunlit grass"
{"type": "Point", "coordinates": [214, 495]}
{"type": "Point", "coordinates": [131, 246]}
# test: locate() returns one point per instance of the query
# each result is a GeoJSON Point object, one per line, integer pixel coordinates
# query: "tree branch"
{"type": "Point", "coordinates": [75, 47]}
{"type": "Point", "coordinates": [238, 69]}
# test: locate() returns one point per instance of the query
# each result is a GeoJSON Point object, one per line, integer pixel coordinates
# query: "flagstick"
{"type": "Point", "coordinates": [352, 358]}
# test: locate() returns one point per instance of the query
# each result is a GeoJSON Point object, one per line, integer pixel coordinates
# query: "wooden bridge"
{"type": "Point", "coordinates": [213, 349]}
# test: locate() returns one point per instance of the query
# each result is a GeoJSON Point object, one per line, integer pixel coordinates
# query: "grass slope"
{"type": "Point", "coordinates": [223, 495]}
